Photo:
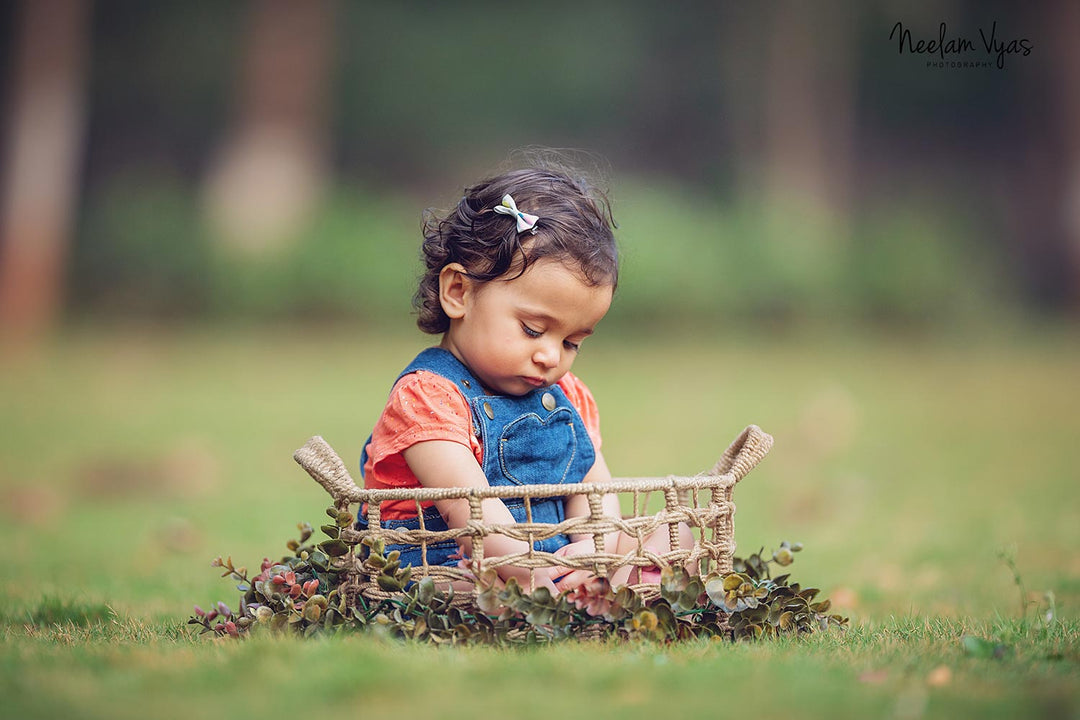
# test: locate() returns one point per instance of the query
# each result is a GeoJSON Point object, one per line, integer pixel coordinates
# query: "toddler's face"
{"type": "Point", "coordinates": [521, 334]}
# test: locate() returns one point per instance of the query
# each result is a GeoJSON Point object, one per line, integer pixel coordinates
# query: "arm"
{"type": "Point", "coordinates": [447, 464]}
{"type": "Point", "coordinates": [578, 505]}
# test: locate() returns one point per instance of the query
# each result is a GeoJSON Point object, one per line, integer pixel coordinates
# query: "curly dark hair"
{"type": "Point", "coordinates": [575, 227]}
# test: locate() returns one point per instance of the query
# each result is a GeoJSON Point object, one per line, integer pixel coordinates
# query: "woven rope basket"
{"type": "Point", "coordinates": [702, 502]}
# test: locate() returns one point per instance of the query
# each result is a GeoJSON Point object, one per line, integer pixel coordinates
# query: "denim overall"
{"type": "Point", "coordinates": [537, 438]}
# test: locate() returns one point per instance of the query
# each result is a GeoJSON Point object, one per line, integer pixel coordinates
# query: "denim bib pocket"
{"type": "Point", "coordinates": [535, 450]}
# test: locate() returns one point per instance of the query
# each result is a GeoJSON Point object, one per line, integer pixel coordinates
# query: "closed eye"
{"type": "Point", "coordinates": [530, 332]}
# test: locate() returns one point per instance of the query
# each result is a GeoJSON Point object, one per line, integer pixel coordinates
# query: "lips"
{"type": "Point", "coordinates": [534, 381]}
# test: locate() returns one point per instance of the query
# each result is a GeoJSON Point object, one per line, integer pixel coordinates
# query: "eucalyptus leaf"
{"type": "Point", "coordinates": [319, 560]}
{"type": "Point", "coordinates": [425, 590]}
{"type": "Point", "coordinates": [388, 583]}
{"type": "Point", "coordinates": [714, 589]}
{"type": "Point", "coordinates": [334, 548]}
{"type": "Point", "coordinates": [665, 618]}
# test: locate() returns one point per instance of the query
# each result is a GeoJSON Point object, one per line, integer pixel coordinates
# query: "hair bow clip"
{"type": "Point", "coordinates": [525, 221]}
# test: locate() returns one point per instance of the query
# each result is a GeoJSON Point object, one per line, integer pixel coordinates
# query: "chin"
{"type": "Point", "coordinates": [519, 387]}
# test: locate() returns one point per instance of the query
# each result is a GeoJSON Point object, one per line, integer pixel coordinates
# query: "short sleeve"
{"type": "Point", "coordinates": [582, 400]}
{"type": "Point", "coordinates": [422, 406]}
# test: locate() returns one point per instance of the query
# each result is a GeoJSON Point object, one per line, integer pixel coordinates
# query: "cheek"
{"type": "Point", "coordinates": [498, 340]}
{"type": "Point", "coordinates": [509, 332]}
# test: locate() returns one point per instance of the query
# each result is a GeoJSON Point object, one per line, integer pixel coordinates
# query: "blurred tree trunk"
{"type": "Point", "coordinates": [1063, 24]}
{"type": "Point", "coordinates": [43, 140]}
{"type": "Point", "coordinates": [742, 77]}
{"type": "Point", "coordinates": [271, 171]}
{"type": "Point", "coordinates": [809, 107]}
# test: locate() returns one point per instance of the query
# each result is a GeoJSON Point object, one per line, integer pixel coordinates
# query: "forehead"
{"type": "Point", "coordinates": [550, 287]}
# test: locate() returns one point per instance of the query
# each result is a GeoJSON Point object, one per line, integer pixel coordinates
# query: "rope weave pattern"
{"type": "Point", "coordinates": [702, 502]}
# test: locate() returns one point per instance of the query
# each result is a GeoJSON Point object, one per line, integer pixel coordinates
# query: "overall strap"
{"type": "Point", "coordinates": [443, 363]}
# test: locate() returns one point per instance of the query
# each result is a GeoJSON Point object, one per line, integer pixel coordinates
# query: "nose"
{"type": "Point", "coordinates": [547, 356]}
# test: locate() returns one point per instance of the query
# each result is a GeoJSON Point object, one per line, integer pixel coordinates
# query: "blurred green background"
{"type": "Point", "coordinates": [783, 164]}
{"type": "Point", "coordinates": [208, 244]}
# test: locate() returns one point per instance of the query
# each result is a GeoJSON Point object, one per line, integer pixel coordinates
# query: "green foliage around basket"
{"type": "Point", "coordinates": [306, 593]}
{"type": "Point", "coordinates": [765, 606]}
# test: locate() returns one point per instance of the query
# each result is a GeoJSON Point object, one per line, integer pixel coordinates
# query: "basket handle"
{"type": "Point", "coordinates": [744, 453]}
{"type": "Point", "coordinates": [323, 464]}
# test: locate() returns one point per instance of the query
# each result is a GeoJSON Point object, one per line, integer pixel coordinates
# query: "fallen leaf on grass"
{"type": "Point", "coordinates": [179, 535]}
{"type": "Point", "coordinates": [844, 598]}
{"type": "Point", "coordinates": [36, 506]}
{"type": "Point", "coordinates": [939, 676]}
{"type": "Point", "coordinates": [188, 469]}
{"type": "Point", "coordinates": [874, 677]}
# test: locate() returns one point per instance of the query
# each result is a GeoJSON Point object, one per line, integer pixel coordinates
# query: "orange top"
{"type": "Point", "coordinates": [426, 406]}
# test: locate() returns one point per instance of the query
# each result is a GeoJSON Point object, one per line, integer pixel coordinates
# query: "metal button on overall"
{"type": "Point", "coordinates": [549, 401]}
{"type": "Point", "coordinates": [488, 411]}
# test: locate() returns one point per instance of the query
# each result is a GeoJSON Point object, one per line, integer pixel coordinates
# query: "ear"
{"type": "Point", "coordinates": [455, 289]}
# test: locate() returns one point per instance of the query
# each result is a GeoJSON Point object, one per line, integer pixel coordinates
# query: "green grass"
{"type": "Point", "coordinates": [906, 466]}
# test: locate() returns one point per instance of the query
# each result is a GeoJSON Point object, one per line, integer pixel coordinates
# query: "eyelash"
{"type": "Point", "coordinates": [573, 347]}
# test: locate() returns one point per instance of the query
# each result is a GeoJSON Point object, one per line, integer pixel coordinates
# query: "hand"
{"type": "Point", "coordinates": [581, 547]}
{"type": "Point", "coordinates": [572, 578]}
